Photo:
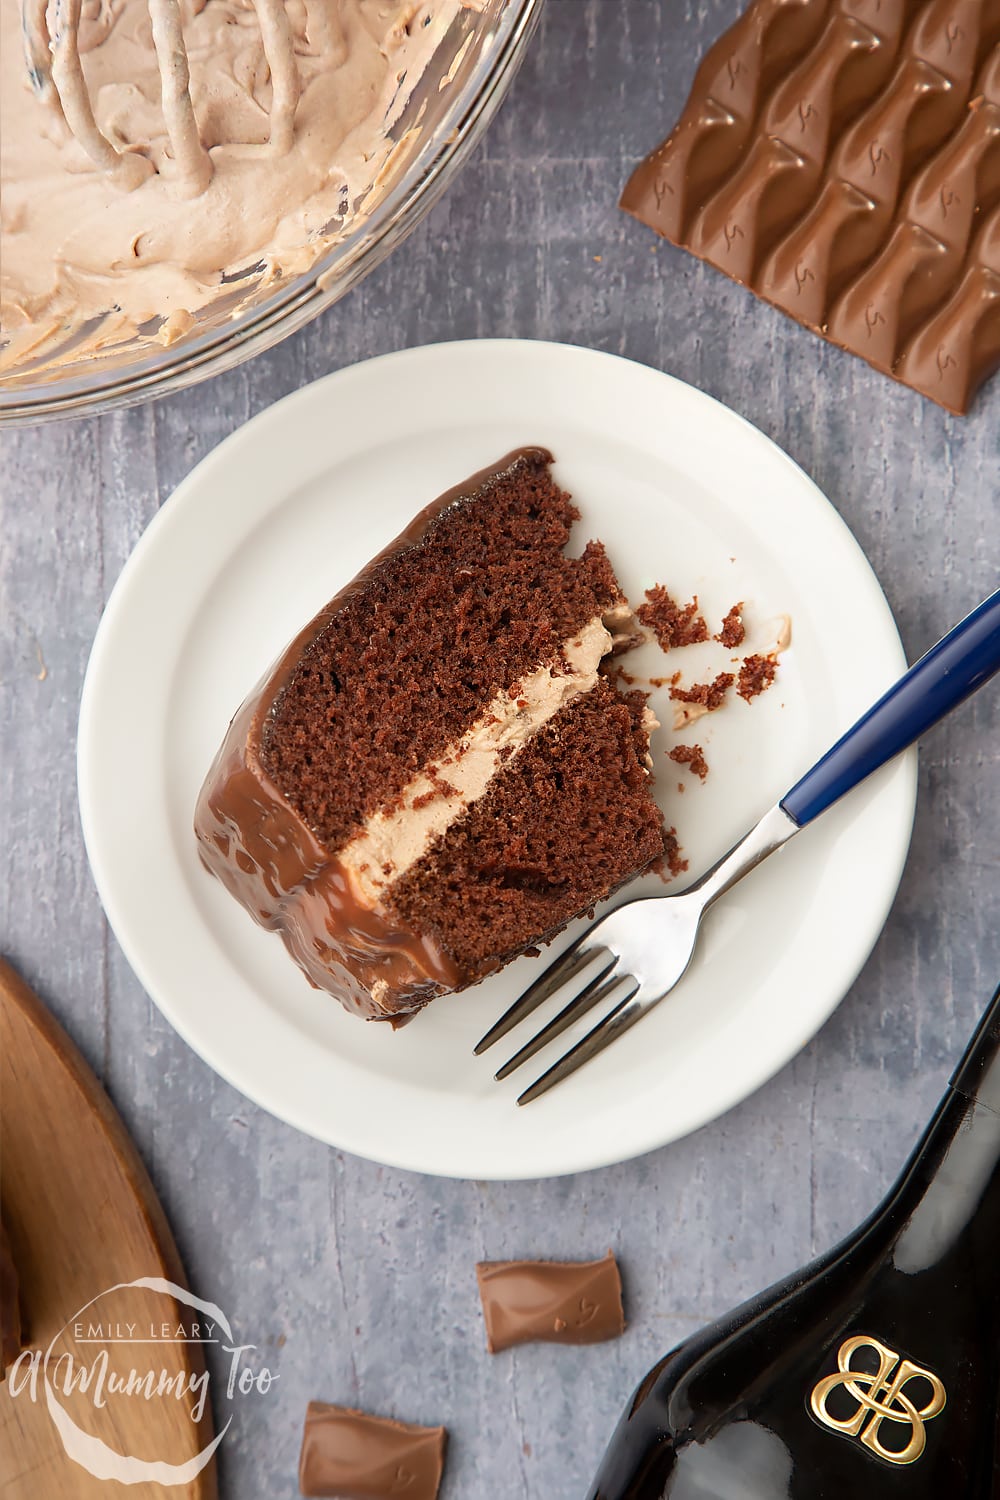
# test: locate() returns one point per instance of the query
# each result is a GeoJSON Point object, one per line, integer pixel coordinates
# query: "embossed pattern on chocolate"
{"type": "Point", "coordinates": [550, 1302]}
{"type": "Point", "coordinates": [349, 1455]}
{"type": "Point", "coordinates": [842, 159]}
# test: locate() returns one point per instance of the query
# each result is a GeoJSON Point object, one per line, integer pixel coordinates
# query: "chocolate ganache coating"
{"type": "Point", "coordinates": [267, 856]}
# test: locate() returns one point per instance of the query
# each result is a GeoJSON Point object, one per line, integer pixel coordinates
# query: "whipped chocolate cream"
{"type": "Point", "coordinates": [347, 1455]}
{"type": "Point", "coordinates": [131, 202]}
{"type": "Point", "coordinates": [551, 1302]}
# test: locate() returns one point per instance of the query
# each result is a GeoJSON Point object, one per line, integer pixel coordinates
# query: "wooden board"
{"type": "Point", "coordinates": [82, 1217]}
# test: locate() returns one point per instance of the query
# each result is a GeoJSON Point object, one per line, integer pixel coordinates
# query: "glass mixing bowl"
{"type": "Point", "coordinates": [458, 95]}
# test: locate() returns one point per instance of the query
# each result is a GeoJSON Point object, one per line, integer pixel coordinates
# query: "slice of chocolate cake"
{"type": "Point", "coordinates": [435, 775]}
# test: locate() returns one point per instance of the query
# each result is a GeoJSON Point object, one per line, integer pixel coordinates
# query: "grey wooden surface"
{"type": "Point", "coordinates": [355, 1281]}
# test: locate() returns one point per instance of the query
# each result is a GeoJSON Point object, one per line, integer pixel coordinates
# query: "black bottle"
{"type": "Point", "coordinates": [874, 1374]}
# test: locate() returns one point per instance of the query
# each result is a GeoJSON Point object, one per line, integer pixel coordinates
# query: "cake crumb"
{"type": "Point", "coordinates": [708, 695]}
{"type": "Point", "coordinates": [671, 862]}
{"type": "Point", "coordinates": [618, 674]}
{"type": "Point", "coordinates": [438, 788]}
{"type": "Point", "coordinates": [691, 756]}
{"type": "Point", "coordinates": [702, 698]}
{"type": "Point", "coordinates": [733, 631]}
{"type": "Point", "coordinates": [673, 624]}
{"type": "Point", "coordinates": [756, 675]}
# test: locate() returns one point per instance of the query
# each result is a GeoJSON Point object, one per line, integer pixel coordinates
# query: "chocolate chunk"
{"type": "Point", "coordinates": [552, 1302]}
{"type": "Point", "coordinates": [843, 161]}
{"type": "Point", "coordinates": [10, 1311]}
{"type": "Point", "coordinates": [347, 1455]}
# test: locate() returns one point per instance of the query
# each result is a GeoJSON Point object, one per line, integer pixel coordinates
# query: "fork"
{"type": "Point", "coordinates": [633, 957]}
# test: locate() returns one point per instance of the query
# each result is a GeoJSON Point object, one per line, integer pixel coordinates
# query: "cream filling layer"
{"type": "Point", "coordinates": [392, 842]}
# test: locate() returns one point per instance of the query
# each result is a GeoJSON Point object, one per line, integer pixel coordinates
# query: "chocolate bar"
{"type": "Point", "coordinates": [351, 1456]}
{"type": "Point", "coordinates": [554, 1302]}
{"type": "Point", "coordinates": [842, 159]}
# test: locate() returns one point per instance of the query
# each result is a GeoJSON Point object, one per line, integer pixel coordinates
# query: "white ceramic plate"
{"type": "Point", "coordinates": [283, 513]}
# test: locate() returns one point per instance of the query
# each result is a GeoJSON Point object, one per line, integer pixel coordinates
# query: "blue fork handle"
{"type": "Point", "coordinates": [960, 663]}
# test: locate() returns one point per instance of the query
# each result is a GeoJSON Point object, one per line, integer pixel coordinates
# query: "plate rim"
{"type": "Point", "coordinates": [173, 512]}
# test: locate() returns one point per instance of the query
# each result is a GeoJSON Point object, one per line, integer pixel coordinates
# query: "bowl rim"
{"type": "Point", "coordinates": [399, 212]}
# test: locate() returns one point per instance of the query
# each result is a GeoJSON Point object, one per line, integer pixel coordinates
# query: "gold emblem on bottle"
{"type": "Point", "coordinates": [881, 1396]}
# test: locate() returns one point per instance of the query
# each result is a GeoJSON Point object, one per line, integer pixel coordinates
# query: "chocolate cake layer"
{"type": "Point", "coordinates": [842, 159]}
{"type": "Point", "coordinates": [561, 826]}
{"type": "Point", "coordinates": [375, 744]}
{"type": "Point", "coordinates": [551, 1302]}
{"type": "Point", "coordinates": [404, 664]}
{"type": "Point", "coordinates": [347, 1455]}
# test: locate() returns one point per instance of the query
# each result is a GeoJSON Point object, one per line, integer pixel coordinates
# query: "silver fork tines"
{"type": "Point", "coordinates": [622, 1015]}
{"type": "Point", "coordinates": [592, 994]}
{"type": "Point", "coordinates": [633, 957]}
{"type": "Point", "coordinates": [566, 967]}
{"type": "Point", "coordinates": [652, 938]}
